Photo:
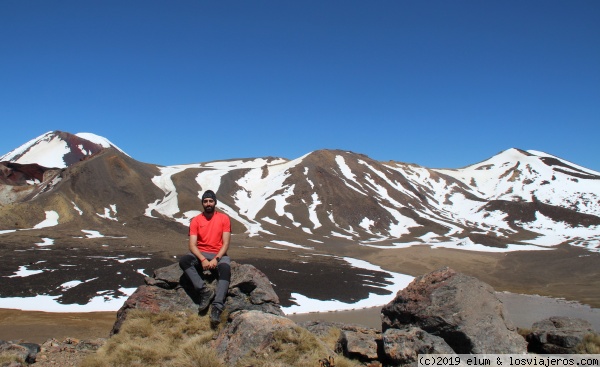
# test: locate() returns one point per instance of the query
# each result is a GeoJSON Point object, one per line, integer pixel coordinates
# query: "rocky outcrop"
{"type": "Point", "coordinates": [443, 312]}
{"type": "Point", "coordinates": [22, 181]}
{"type": "Point", "coordinates": [558, 335]}
{"type": "Point", "coordinates": [440, 312]}
{"type": "Point", "coordinates": [355, 341]}
{"type": "Point", "coordinates": [255, 334]}
{"type": "Point", "coordinates": [464, 311]}
{"type": "Point", "coordinates": [169, 290]}
{"type": "Point", "coordinates": [402, 346]}
{"type": "Point", "coordinates": [21, 353]}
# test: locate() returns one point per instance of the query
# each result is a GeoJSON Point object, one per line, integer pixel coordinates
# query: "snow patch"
{"type": "Point", "coordinates": [50, 221]}
{"type": "Point", "coordinates": [289, 244]}
{"type": "Point", "coordinates": [109, 212]}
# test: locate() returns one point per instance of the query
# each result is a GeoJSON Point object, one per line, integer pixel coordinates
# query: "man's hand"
{"type": "Point", "coordinates": [212, 264]}
{"type": "Point", "coordinates": [206, 264]}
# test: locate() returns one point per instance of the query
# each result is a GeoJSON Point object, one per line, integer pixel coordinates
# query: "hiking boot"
{"type": "Point", "coordinates": [206, 296]}
{"type": "Point", "coordinates": [215, 315]}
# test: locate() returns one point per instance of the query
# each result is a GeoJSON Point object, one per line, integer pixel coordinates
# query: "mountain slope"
{"type": "Point", "coordinates": [57, 149]}
{"type": "Point", "coordinates": [298, 218]}
{"type": "Point", "coordinates": [515, 198]}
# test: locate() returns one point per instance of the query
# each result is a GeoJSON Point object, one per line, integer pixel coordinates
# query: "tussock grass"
{"type": "Point", "coordinates": [163, 339]}
{"type": "Point", "coordinates": [590, 344]}
{"type": "Point", "coordinates": [524, 331]}
{"type": "Point", "coordinates": [183, 340]}
{"type": "Point", "coordinates": [296, 347]}
{"type": "Point", "coordinates": [7, 358]}
{"type": "Point", "coordinates": [332, 337]}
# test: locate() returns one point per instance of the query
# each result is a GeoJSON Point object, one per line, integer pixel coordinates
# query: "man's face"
{"type": "Point", "coordinates": [209, 205]}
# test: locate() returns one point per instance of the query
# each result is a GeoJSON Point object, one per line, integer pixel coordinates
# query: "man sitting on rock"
{"type": "Point", "coordinates": [210, 233]}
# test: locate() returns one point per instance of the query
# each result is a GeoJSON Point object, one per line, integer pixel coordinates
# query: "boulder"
{"type": "Point", "coordinates": [169, 290]}
{"type": "Point", "coordinates": [460, 309]}
{"type": "Point", "coordinates": [402, 346]}
{"type": "Point", "coordinates": [19, 351]}
{"type": "Point", "coordinates": [250, 289]}
{"type": "Point", "coordinates": [262, 336]}
{"type": "Point", "coordinates": [154, 299]}
{"type": "Point", "coordinates": [355, 342]}
{"type": "Point", "coordinates": [558, 335]}
{"type": "Point", "coordinates": [362, 342]}
{"type": "Point", "coordinates": [323, 329]}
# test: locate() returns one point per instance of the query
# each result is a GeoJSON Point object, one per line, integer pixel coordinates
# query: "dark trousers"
{"type": "Point", "coordinates": [192, 267]}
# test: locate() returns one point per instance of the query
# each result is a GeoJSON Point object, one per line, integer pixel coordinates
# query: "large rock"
{"type": "Point", "coordinates": [258, 335]}
{"type": "Point", "coordinates": [402, 346]}
{"type": "Point", "coordinates": [355, 341]}
{"type": "Point", "coordinates": [558, 335]}
{"type": "Point", "coordinates": [169, 290]}
{"type": "Point", "coordinates": [462, 310]}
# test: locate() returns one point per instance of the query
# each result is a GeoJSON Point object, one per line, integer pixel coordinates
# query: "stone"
{"type": "Point", "coordinates": [169, 290]}
{"type": "Point", "coordinates": [25, 352]}
{"type": "Point", "coordinates": [402, 346]}
{"type": "Point", "coordinates": [252, 334]}
{"type": "Point", "coordinates": [250, 289]}
{"type": "Point", "coordinates": [355, 342]}
{"type": "Point", "coordinates": [362, 343]}
{"type": "Point", "coordinates": [460, 309]}
{"type": "Point", "coordinates": [558, 335]}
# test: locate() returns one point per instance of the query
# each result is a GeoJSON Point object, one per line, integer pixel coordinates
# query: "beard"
{"type": "Point", "coordinates": [209, 209]}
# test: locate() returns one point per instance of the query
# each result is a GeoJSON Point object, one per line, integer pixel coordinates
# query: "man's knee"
{"type": "Point", "coordinates": [187, 261]}
{"type": "Point", "coordinates": [224, 271]}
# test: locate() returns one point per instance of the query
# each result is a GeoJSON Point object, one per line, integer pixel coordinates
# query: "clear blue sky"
{"type": "Point", "coordinates": [437, 83]}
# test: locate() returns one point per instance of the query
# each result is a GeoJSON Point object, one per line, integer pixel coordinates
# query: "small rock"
{"type": "Point", "coordinates": [558, 335]}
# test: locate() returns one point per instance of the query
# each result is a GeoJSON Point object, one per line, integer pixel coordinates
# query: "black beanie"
{"type": "Point", "coordinates": [209, 194]}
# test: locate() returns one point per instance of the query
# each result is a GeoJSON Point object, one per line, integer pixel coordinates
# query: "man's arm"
{"type": "Point", "coordinates": [226, 239]}
{"type": "Point", "coordinates": [222, 251]}
{"type": "Point", "coordinates": [194, 250]}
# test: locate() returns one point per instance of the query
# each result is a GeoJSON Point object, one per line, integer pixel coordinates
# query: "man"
{"type": "Point", "coordinates": [209, 236]}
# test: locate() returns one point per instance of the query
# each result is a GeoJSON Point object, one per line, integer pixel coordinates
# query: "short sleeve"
{"type": "Point", "coordinates": [226, 224]}
{"type": "Point", "coordinates": [193, 227]}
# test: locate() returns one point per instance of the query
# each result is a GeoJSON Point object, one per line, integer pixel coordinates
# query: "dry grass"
{"type": "Point", "coordinates": [7, 358]}
{"type": "Point", "coordinates": [164, 339]}
{"type": "Point", "coordinates": [183, 340]}
{"type": "Point", "coordinates": [590, 344]}
{"type": "Point", "coordinates": [331, 338]}
{"type": "Point", "coordinates": [296, 347]}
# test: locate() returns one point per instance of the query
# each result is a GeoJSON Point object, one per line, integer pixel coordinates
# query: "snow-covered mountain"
{"type": "Point", "coordinates": [514, 200]}
{"type": "Point", "coordinates": [57, 149]}
{"type": "Point", "coordinates": [62, 192]}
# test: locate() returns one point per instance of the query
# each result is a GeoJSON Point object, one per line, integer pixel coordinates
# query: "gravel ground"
{"type": "Point", "coordinates": [66, 353]}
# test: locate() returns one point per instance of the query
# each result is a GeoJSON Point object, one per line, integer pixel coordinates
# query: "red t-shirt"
{"type": "Point", "coordinates": [210, 232]}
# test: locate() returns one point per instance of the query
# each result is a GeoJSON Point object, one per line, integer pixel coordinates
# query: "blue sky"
{"type": "Point", "coordinates": [443, 84]}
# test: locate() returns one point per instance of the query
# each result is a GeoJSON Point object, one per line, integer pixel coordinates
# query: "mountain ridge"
{"type": "Point", "coordinates": [318, 192]}
{"type": "Point", "coordinates": [324, 203]}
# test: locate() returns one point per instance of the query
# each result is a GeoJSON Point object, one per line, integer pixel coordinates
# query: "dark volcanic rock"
{"type": "Point", "coordinates": [250, 289]}
{"type": "Point", "coordinates": [20, 174]}
{"type": "Point", "coordinates": [154, 299]}
{"type": "Point", "coordinates": [355, 341]}
{"type": "Point", "coordinates": [251, 333]}
{"type": "Point", "coordinates": [462, 310]}
{"type": "Point", "coordinates": [402, 346]}
{"type": "Point", "coordinates": [170, 290]}
{"type": "Point", "coordinates": [20, 182]}
{"type": "Point", "coordinates": [558, 335]}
